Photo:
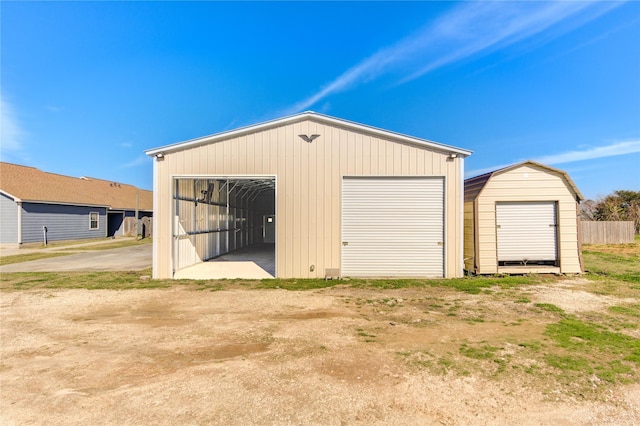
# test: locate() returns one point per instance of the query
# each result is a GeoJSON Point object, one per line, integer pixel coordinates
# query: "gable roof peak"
{"type": "Point", "coordinates": [474, 185]}
{"type": "Point", "coordinates": [326, 119]}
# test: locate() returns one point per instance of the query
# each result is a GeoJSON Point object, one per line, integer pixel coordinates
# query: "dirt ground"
{"type": "Point", "coordinates": [333, 356]}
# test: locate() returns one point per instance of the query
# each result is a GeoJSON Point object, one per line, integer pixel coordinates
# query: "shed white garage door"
{"type": "Point", "coordinates": [526, 232]}
{"type": "Point", "coordinates": [392, 227]}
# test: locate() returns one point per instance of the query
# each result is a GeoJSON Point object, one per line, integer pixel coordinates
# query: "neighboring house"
{"type": "Point", "coordinates": [35, 204]}
{"type": "Point", "coordinates": [522, 219]}
{"type": "Point", "coordinates": [336, 198]}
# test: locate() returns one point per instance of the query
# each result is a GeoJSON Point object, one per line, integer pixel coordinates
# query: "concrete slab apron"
{"type": "Point", "coordinates": [221, 270]}
{"type": "Point", "coordinates": [254, 262]}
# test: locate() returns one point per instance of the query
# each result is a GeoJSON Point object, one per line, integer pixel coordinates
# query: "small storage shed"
{"type": "Point", "coordinates": [332, 197]}
{"type": "Point", "coordinates": [523, 218]}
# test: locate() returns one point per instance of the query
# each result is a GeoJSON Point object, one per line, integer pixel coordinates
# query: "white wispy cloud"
{"type": "Point", "coordinates": [11, 136]}
{"type": "Point", "coordinates": [594, 153]}
{"type": "Point", "coordinates": [596, 39]}
{"type": "Point", "coordinates": [139, 161]}
{"type": "Point", "coordinates": [618, 148]}
{"type": "Point", "coordinates": [469, 30]}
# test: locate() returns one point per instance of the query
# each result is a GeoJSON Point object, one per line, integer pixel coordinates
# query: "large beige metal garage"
{"type": "Point", "coordinates": [328, 197]}
{"type": "Point", "coordinates": [522, 219]}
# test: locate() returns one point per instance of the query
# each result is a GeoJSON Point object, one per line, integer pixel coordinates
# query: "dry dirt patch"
{"type": "Point", "coordinates": [332, 356]}
{"type": "Point", "coordinates": [568, 296]}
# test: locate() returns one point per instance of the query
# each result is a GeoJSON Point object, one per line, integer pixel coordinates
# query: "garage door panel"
{"type": "Point", "coordinates": [392, 227]}
{"type": "Point", "coordinates": [526, 231]}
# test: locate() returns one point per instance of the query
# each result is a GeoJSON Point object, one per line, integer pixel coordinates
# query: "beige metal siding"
{"type": "Point", "coordinates": [308, 187]}
{"type": "Point", "coordinates": [526, 183]}
{"type": "Point", "coordinates": [469, 236]}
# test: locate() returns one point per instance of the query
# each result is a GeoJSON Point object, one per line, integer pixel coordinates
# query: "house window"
{"type": "Point", "coordinates": [93, 220]}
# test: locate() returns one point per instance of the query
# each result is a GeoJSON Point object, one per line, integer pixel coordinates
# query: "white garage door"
{"type": "Point", "coordinates": [526, 232]}
{"type": "Point", "coordinates": [392, 227]}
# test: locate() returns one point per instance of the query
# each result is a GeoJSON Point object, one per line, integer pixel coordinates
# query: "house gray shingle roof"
{"type": "Point", "coordinates": [30, 184]}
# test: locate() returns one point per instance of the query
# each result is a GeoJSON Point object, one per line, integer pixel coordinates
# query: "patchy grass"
{"type": "Point", "coordinates": [19, 258]}
{"type": "Point", "coordinates": [570, 363]}
{"type": "Point", "coordinates": [298, 284]}
{"type": "Point", "coordinates": [84, 280]}
{"type": "Point", "coordinates": [111, 245]}
{"type": "Point", "coordinates": [539, 344]}
{"type": "Point", "coordinates": [630, 310]}
{"type": "Point", "coordinates": [571, 356]}
{"type": "Point", "coordinates": [583, 348]}
{"type": "Point", "coordinates": [368, 337]}
{"type": "Point", "coordinates": [497, 327]}
{"type": "Point", "coordinates": [620, 262]}
{"type": "Point", "coordinates": [471, 285]}
{"type": "Point", "coordinates": [478, 352]}
{"type": "Point", "coordinates": [56, 244]}
{"type": "Point", "coordinates": [577, 335]}
{"type": "Point", "coordinates": [614, 269]}
{"type": "Point", "coordinates": [534, 345]}
{"type": "Point", "coordinates": [549, 307]}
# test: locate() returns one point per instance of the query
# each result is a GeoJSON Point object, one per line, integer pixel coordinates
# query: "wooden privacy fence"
{"type": "Point", "coordinates": [145, 227]}
{"type": "Point", "coordinates": [601, 232]}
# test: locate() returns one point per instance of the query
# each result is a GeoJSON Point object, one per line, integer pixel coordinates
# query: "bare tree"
{"type": "Point", "coordinates": [588, 210]}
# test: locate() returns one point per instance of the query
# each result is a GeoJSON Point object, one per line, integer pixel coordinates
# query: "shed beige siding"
{"type": "Point", "coordinates": [469, 236]}
{"type": "Point", "coordinates": [528, 182]}
{"type": "Point", "coordinates": [308, 187]}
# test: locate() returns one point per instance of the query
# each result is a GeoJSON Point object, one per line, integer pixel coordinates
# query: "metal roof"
{"type": "Point", "coordinates": [308, 115]}
{"type": "Point", "coordinates": [473, 186]}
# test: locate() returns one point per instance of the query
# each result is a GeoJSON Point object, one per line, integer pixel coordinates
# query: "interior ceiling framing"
{"type": "Point", "coordinates": [252, 184]}
{"type": "Point", "coordinates": [243, 188]}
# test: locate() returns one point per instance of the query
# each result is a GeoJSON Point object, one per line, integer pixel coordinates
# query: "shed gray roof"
{"type": "Point", "coordinates": [473, 186]}
{"type": "Point", "coordinates": [321, 118]}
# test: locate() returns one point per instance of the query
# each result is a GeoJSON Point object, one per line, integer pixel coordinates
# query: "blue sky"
{"type": "Point", "coordinates": [87, 87]}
